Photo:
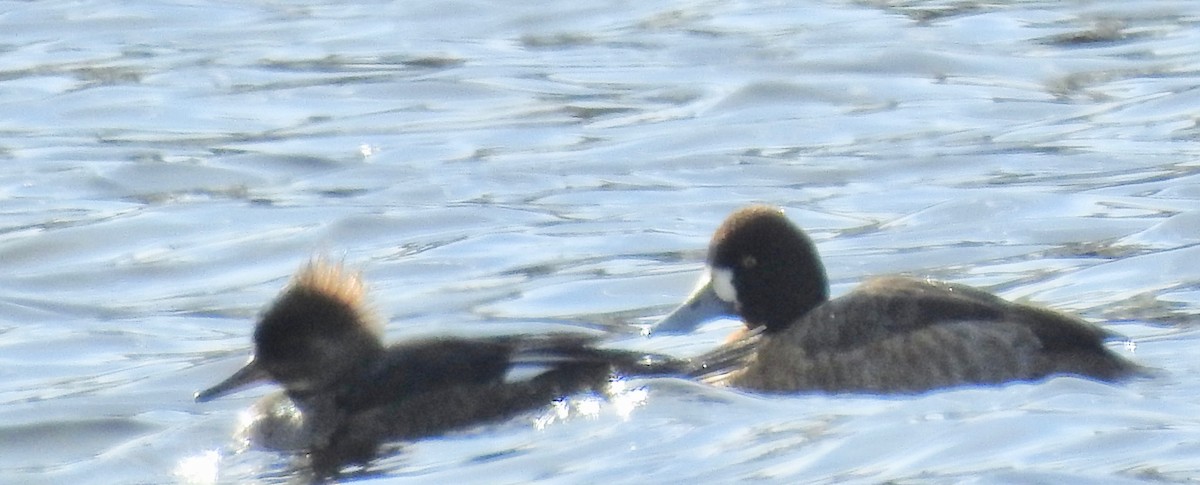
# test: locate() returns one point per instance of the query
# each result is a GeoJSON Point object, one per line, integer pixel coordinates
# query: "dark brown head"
{"type": "Point", "coordinates": [315, 334]}
{"type": "Point", "coordinates": [762, 268]}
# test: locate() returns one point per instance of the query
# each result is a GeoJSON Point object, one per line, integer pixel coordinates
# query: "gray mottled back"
{"type": "Point", "coordinates": [906, 335]}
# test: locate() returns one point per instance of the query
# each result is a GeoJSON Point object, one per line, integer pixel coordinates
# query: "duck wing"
{"type": "Point", "coordinates": [430, 387]}
{"type": "Point", "coordinates": [414, 368]}
{"type": "Point", "coordinates": [558, 350]}
{"type": "Point", "coordinates": [907, 335]}
{"type": "Point", "coordinates": [887, 307]}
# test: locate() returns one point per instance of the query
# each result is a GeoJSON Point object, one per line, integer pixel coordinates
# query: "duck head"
{"type": "Point", "coordinates": [317, 332]}
{"type": "Point", "coordinates": [761, 268]}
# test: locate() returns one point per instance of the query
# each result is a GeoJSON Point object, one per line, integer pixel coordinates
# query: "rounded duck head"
{"type": "Point", "coordinates": [774, 269]}
{"type": "Point", "coordinates": [761, 268]}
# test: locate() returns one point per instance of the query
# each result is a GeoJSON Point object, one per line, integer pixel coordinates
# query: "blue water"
{"type": "Point", "coordinates": [539, 166]}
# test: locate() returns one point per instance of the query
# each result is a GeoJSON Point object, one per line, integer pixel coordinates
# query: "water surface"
{"type": "Point", "coordinates": [542, 166]}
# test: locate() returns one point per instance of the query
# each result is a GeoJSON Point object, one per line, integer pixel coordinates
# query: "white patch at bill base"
{"type": "Point", "coordinates": [722, 284]}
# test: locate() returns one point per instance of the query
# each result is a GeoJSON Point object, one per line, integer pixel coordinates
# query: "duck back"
{"type": "Point", "coordinates": [906, 335]}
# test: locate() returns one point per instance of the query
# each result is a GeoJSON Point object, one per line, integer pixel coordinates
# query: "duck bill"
{"type": "Point", "coordinates": [247, 376]}
{"type": "Point", "coordinates": [703, 305]}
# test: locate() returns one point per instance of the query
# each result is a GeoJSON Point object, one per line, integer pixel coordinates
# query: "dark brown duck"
{"type": "Point", "coordinates": [346, 392]}
{"type": "Point", "coordinates": [890, 335]}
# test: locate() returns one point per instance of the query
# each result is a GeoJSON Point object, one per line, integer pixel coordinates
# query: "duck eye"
{"type": "Point", "coordinates": [749, 262]}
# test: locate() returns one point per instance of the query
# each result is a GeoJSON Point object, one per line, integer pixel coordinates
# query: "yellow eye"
{"type": "Point", "coordinates": [749, 262]}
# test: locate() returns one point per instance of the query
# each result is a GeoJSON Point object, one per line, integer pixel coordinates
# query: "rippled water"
{"type": "Point", "coordinates": [532, 166]}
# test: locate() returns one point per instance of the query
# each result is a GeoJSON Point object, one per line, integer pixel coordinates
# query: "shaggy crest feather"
{"type": "Point", "coordinates": [336, 282]}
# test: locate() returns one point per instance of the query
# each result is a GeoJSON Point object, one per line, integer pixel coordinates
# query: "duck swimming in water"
{"type": "Point", "coordinates": [345, 392]}
{"type": "Point", "coordinates": [891, 335]}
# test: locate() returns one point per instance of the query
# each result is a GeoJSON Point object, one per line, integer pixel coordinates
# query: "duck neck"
{"type": "Point", "coordinates": [805, 293]}
{"type": "Point", "coordinates": [785, 292]}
